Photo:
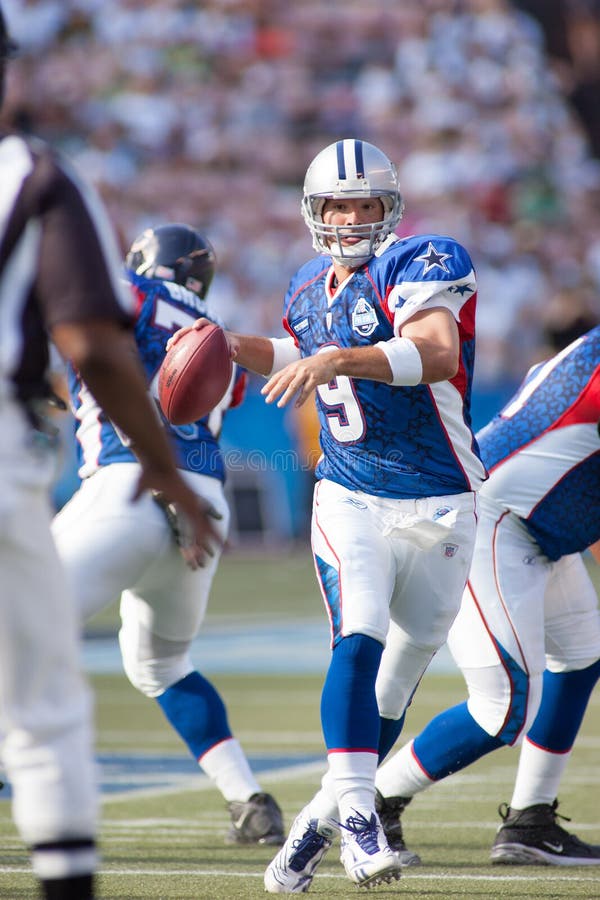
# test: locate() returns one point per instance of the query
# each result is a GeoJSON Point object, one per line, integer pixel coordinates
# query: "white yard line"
{"type": "Point", "coordinates": [567, 878]}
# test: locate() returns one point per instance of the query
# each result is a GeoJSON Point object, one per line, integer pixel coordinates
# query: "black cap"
{"type": "Point", "coordinates": [8, 47]}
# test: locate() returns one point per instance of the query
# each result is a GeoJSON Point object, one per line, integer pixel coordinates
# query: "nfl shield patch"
{"type": "Point", "coordinates": [450, 550]}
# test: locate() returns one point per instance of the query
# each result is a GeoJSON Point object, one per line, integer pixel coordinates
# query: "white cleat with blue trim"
{"type": "Point", "coordinates": [292, 870]}
{"type": "Point", "coordinates": [365, 854]}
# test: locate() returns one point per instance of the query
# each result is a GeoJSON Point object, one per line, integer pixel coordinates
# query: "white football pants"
{"type": "Point", "coordinates": [114, 548]}
{"type": "Point", "coordinates": [520, 607]}
{"type": "Point", "coordinates": [394, 570]}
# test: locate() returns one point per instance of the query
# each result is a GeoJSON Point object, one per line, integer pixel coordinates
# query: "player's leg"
{"type": "Point", "coordinates": [105, 541]}
{"type": "Point", "coordinates": [46, 705]}
{"type": "Point", "coordinates": [356, 570]}
{"type": "Point", "coordinates": [432, 574]}
{"type": "Point", "coordinates": [530, 832]}
{"type": "Point", "coordinates": [436, 576]}
{"type": "Point", "coordinates": [497, 640]}
{"type": "Point", "coordinates": [160, 617]}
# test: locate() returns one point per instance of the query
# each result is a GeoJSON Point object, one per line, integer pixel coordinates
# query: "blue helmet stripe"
{"type": "Point", "coordinates": [358, 156]}
{"type": "Point", "coordinates": [340, 159]}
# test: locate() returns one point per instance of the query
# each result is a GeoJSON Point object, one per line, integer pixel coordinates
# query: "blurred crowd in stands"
{"type": "Point", "coordinates": [209, 113]}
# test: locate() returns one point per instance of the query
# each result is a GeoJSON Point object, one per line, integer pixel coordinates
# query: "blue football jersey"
{"type": "Point", "coordinates": [543, 450]}
{"type": "Point", "coordinates": [162, 308]}
{"type": "Point", "coordinates": [391, 441]}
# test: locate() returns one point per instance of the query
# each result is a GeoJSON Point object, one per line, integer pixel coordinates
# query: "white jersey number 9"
{"type": "Point", "coordinates": [344, 413]}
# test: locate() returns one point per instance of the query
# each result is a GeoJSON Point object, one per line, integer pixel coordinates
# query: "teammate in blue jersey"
{"type": "Point", "coordinates": [382, 329]}
{"type": "Point", "coordinates": [111, 548]}
{"type": "Point", "coordinates": [527, 637]}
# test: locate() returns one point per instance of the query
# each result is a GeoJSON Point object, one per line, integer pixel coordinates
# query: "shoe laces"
{"type": "Point", "coordinates": [306, 846]}
{"type": "Point", "coordinates": [547, 810]}
{"type": "Point", "coordinates": [364, 830]}
{"type": "Point", "coordinates": [557, 815]}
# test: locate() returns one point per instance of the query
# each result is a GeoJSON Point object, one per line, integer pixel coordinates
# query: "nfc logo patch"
{"type": "Point", "coordinates": [364, 318]}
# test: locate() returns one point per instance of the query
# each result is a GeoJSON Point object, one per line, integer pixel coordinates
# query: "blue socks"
{"type": "Point", "coordinates": [349, 714]}
{"type": "Point", "coordinates": [196, 712]}
{"type": "Point", "coordinates": [452, 741]}
{"type": "Point", "coordinates": [564, 701]}
{"type": "Point", "coordinates": [389, 732]}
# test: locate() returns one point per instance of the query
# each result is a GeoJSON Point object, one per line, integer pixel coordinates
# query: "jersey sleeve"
{"type": "Point", "coordinates": [433, 272]}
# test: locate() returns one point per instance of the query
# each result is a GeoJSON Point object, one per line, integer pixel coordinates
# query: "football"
{"type": "Point", "coordinates": [194, 375]}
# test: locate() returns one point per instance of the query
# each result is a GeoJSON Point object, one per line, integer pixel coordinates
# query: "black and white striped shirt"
{"type": "Point", "coordinates": [58, 261]}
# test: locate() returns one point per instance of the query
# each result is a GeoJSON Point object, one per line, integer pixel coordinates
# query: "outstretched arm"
{"type": "Point", "coordinates": [252, 352]}
{"type": "Point", "coordinates": [430, 354]}
{"type": "Point", "coordinates": [258, 354]}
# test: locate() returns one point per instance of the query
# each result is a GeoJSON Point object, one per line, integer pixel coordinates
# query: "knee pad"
{"type": "Point", "coordinates": [503, 704]}
{"type": "Point", "coordinates": [401, 669]}
{"type": "Point", "coordinates": [152, 664]}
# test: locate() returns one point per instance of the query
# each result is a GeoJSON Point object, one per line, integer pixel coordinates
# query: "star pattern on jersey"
{"type": "Point", "coordinates": [433, 259]}
{"type": "Point", "coordinates": [461, 289]}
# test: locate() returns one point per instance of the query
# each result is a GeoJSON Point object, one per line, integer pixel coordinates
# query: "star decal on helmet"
{"type": "Point", "coordinates": [433, 259]}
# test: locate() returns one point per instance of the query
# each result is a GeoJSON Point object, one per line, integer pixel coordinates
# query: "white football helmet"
{"type": "Point", "coordinates": [351, 169]}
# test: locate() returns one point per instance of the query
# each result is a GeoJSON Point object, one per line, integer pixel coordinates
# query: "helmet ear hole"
{"type": "Point", "coordinates": [388, 204]}
{"type": "Point", "coordinates": [317, 207]}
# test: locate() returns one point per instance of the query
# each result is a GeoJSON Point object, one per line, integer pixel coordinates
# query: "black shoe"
{"type": "Point", "coordinates": [255, 821]}
{"type": "Point", "coordinates": [389, 810]}
{"type": "Point", "coordinates": [532, 836]}
{"type": "Point", "coordinates": [74, 887]}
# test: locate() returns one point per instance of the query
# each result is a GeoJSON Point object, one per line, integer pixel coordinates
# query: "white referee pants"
{"type": "Point", "coordinates": [45, 704]}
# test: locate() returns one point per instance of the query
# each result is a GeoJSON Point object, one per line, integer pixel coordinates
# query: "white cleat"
{"type": "Point", "coordinates": [293, 869]}
{"type": "Point", "coordinates": [365, 855]}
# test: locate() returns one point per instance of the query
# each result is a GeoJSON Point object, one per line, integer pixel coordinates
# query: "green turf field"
{"type": "Point", "coordinates": [167, 841]}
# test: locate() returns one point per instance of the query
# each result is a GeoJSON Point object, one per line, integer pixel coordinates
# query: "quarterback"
{"type": "Point", "coordinates": [381, 330]}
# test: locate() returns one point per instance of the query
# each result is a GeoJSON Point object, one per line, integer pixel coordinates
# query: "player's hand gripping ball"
{"type": "Point", "coordinates": [194, 375]}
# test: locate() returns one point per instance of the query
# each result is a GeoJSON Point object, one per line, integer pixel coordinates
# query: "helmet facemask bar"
{"type": "Point", "coordinates": [328, 239]}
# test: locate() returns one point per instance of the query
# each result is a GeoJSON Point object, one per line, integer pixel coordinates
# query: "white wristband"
{"type": "Point", "coordinates": [284, 353]}
{"type": "Point", "coordinates": [404, 359]}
